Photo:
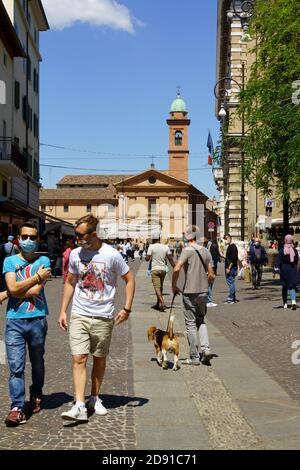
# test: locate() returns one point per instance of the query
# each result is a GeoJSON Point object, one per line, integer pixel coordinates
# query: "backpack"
{"type": "Point", "coordinates": [257, 255]}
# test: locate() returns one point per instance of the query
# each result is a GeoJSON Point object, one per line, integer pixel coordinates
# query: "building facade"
{"type": "Point", "coordinates": [20, 115]}
{"type": "Point", "coordinates": [234, 59]}
{"type": "Point", "coordinates": [152, 198]}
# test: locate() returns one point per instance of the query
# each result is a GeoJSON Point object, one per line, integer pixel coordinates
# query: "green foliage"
{"type": "Point", "coordinates": [272, 119]}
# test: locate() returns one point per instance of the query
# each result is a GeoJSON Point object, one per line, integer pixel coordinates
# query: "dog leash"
{"type": "Point", "coordinates": [171, 308]}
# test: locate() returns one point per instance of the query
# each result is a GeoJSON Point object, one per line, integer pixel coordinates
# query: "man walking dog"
{"type": "Point", "coordinates": [198, 266]}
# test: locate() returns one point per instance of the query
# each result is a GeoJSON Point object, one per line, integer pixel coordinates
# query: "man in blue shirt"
{"type": "Point", "coordinates": [25, 275]}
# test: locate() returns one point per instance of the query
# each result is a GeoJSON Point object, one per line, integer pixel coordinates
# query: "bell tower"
{"type": "Point", "coordinates": [178, 123]}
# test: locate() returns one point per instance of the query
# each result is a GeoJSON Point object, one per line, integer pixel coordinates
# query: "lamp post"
{"type": "Point", "coordinates": [244, 9]}
{"type": "Point", "coordinates": [222, 93]}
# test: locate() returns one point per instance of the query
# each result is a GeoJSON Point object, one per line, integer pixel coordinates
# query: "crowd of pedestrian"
{"type": "Point", "coordinates": [90, 270]}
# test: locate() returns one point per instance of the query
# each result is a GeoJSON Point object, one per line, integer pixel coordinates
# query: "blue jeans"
{"type": "Point", "coordinates": [18, 333]}
{"type": "Point", "coordinates": [230, 279]}
{"type": "Point", "coordinates": [209, 295]}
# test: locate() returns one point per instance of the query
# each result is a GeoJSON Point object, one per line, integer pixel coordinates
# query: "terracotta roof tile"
{"type": "Point", "coordinates": [91, 179]}
{"type": "Point", "coordinates": [78, 194]}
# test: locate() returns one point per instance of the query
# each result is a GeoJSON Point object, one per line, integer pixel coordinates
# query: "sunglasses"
{"type": "Point", "coordinates": [82, 235]}
{"type": "Point", "coordinates": [31, 237]}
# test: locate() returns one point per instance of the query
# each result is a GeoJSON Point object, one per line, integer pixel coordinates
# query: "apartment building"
{"type": "Point", "coordinates": [234, 59]}
{"type": "Point", "coordinates": [21, 21]}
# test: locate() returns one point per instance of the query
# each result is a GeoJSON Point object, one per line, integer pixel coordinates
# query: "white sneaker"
{"type": "Point", "coordinates": [76, 413]}
{"type": "Point", "coordinates": [285, 306]}
{"type": "Point", "coordinates": [211, 304]}
{"type": "Point", "coordinates": [97, 406]}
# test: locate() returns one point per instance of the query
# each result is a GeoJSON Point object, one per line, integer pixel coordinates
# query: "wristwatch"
{"type": "Point", "coordinates": [127, 310]}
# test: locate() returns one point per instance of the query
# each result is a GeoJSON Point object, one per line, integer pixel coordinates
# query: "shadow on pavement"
{"type": "Point", "coordinates": [55, 400]}
{"type": "Point", "coordinates": [116, 401]}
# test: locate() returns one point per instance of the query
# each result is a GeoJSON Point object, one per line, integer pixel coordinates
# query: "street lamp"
{"type": "Point", "coordinates": [244, 9]}
{"type": "Point", "coordinates": [221, 92]}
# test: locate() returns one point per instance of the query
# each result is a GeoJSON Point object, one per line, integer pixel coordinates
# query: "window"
{"type": "Point", "coordinates": [178, 138]}
{"type": "Point", "coordinates": [89, 207]}
{"type": "Point", "coordinates": [152, 179]}
{"type": "Point", "coordinates": [36, 169]}
{"type": "Point", "coordinates": [24, 108]}
{"type": "Point", "coordinates": [29, 164]}
{"type": "Point", "coordinates": [43, 207]}
{"type": "Point", "coordinates": [29, 118]}
{"type": "Point", "coordinates": [4, 146]}
{"type": "Point", "coordinates": [28, 68]}
{"type": "Point", "coordinates": [66, 208]}
{"type": "Point", "coordinates": [17, 94]}
{"type": "Point", "coordinates": [35, 81]}
{"type": "Point", "coordinates": [35, 126]}
{"type": "Point", "coordinates": [4, 188]}
{"type": "Point", "coordinates": [152, 207]}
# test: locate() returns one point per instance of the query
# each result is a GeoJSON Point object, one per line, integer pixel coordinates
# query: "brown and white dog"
{"type": "Point", "coordinates": [165, 341]}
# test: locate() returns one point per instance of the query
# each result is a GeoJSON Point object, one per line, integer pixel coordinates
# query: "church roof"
{"type": "Point", "coordinates": [178, 105]}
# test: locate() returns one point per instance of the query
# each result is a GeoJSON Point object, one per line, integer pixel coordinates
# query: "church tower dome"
{"type": "Point", "coordinates": [178, 123]}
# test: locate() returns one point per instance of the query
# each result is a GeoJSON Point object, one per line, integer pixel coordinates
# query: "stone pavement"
{"type": "Point", "coordinates": [248, 399]}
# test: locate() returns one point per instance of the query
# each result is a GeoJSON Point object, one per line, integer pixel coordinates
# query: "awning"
{"type": "Point", "coordinates": [123, 231]}
{"type": "Point", "coordinates": [12, 207]}
{"type": "Point", "coordinates": [64, 229]}
{"type": "Point", "coordinates": [293, 221]}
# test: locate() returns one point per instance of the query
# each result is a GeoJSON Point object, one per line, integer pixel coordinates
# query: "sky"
{"type": "Point", "coordinates": [109, 74]}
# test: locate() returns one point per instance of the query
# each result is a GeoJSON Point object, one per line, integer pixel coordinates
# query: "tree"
{"type": "Point", "coordinates": [270, 104]}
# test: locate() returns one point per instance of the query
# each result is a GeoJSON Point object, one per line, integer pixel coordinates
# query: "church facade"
{"type": "Point", "coordinates": [133, 206]}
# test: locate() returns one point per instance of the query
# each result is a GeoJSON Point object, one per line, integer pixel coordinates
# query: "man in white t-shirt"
{"type": "Point", "coordinates": [94, 268]}
{"type": "Point", "coordinates": [159, 254]}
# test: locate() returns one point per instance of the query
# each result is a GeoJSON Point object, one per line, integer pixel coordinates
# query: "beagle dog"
{"type": "Point", "coordinates": [165, 341]}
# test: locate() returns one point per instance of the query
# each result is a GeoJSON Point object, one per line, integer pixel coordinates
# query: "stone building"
{"type": "Point", "coordinates": [234, 59]}
{"type": "Point", "coordinates": [150, 198]}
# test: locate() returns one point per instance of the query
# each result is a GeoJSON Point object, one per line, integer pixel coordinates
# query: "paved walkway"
{"type": "Point", "coordinates": [238, 403]}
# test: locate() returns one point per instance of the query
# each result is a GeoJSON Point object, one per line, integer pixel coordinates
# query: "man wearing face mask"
{"type": "Point", "coordinates": [258, 259]}
{"type": "Point", "coordinates": [94, 269]}
{"type": "Point", "coordinates": [26, 275]}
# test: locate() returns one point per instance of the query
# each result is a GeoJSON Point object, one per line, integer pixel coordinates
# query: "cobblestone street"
{"type": "Point", "coordinates": [248, 399]}
{"type": "Point", "coordinates": [45, 431]}
{"type": "Point", "coordinates": [260, 327]}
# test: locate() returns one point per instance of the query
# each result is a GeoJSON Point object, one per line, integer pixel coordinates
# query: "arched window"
{"type": "Point", "coordinates": [178, 138]}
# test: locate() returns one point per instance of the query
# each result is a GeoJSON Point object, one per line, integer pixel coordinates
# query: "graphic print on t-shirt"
{"type": "Point", "coordinates": [36, 302]}
{"type": "Point", "coordinates": [91, 282]}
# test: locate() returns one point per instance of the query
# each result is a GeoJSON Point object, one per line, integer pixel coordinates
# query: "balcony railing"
{"type": "Point", "coordinates": [9, 152]}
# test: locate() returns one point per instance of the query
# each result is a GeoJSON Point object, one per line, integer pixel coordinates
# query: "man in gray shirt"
{"type": "Point", "coordinates": [198, 267]}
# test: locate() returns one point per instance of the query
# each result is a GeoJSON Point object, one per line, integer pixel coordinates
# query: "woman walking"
{"type": "Point", "coordinates": [287, 263]}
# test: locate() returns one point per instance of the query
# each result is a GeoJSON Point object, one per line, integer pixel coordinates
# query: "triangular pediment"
{"type": "Point", "coordinates": [152, 178]}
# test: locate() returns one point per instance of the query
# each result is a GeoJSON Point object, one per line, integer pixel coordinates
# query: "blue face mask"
{"type": "Point", "coordinates": [28, 246]}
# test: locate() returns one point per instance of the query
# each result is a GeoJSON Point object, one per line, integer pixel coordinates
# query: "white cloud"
{"type": "Point", "coordinates": [64, 13]}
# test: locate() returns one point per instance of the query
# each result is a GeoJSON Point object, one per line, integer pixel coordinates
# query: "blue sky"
{"type": "Point", "coordinates": [107, 85]}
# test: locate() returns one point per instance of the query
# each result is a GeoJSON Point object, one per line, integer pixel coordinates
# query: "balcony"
{"type": "Point", "coordinates": [12, 161]}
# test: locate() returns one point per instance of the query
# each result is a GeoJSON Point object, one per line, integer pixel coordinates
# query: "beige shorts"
{"type": "Point", "coordinates": [90, 335]}
{"type": "Point", "coordinates": [158, 278]}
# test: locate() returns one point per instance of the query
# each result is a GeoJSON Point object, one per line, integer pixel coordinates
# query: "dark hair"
{"type": "Point", "coordinates": [28, 225]}
{"type": "Point", "coordinates": [90, 220]}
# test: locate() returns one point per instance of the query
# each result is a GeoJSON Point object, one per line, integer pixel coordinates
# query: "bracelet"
{"type": "Point", "coordinates": [38, 278]}
{"type": "Point", "coordinates": [127, 310]}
